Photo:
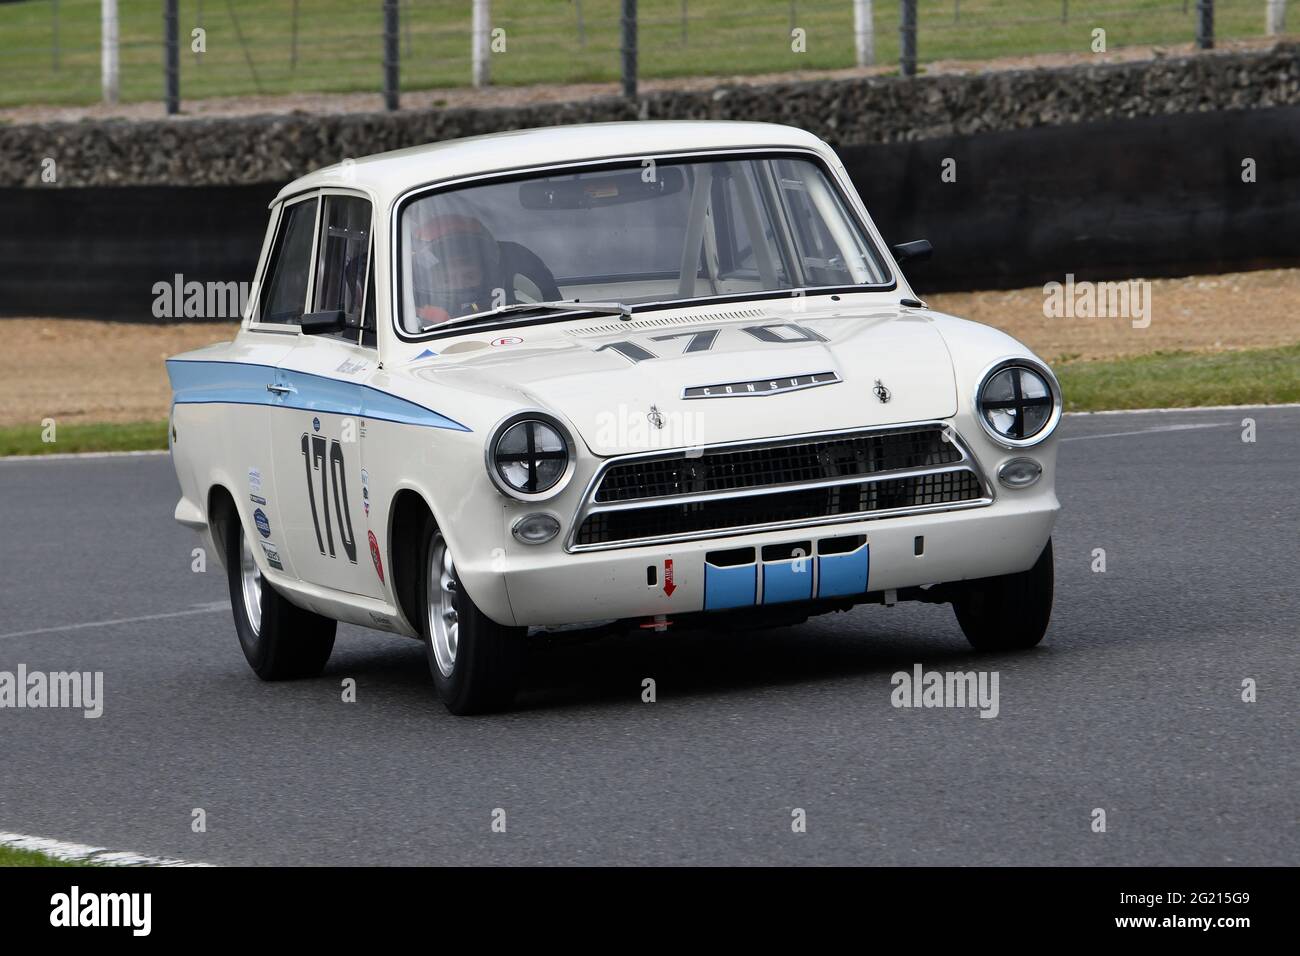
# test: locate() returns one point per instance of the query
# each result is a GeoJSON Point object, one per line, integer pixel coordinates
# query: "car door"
{"type": "Point", "coordinates": [317, 432]}
{"type": "Point", "coordinates": [271, 337]}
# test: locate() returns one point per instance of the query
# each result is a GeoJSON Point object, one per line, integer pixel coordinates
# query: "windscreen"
{"type": "Point", "coordinates": [655, 232]}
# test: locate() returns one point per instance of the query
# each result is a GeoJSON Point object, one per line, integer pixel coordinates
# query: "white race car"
{"type": "Point", "coordinates": [632, 374]}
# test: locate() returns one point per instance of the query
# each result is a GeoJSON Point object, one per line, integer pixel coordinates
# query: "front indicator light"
{"type": "Point", "coordinates": [1020, 472]}
{"type": "Point", "coordinates": [535, 529]}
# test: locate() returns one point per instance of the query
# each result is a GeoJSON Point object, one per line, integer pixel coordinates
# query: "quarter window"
{"type": "Point", "coordinates": [284, 293]}
{"type": "Point", "coordinates": [343, 257]}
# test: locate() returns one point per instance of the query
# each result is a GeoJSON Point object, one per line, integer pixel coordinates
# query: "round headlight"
{"type": "Point", "coordinates": [1018, 404]}
{"type": "Point", "coordinates": [529, 456]}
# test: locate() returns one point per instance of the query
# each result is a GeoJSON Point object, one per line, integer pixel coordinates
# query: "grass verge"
{"type": "Point", "coordinates": [1183, 380]}
{"type": "Point", "coordinates": [131, 436]}
{"type": "Point", "coordinates": [50, 52]}
{"type": "Point", "coordinates": [11, 857]}
{"type": "Point", "coordinates": [1159, 380]}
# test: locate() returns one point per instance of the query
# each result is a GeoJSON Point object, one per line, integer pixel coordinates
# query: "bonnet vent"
{"type": "Point", "coordinates": [653, 323]}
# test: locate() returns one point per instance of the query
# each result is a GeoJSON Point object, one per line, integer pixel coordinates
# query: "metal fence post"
{"type": "Point", "coordinates": [1275, 17]}
{"type": "Point", "coordinates": [1205, 24]}
{"type": "Point", "coordinates": [864, 33]}
{"type": "Point", "coordinates": [480, 38]}
{"type": "Point", "coordinates": [907, 38]}
{"type": "Point", "coordinates": [392, 55]}
{"type": "Point", "coordinates": [629, 48]}
{"type": "Point", "coordinates": [108, 60]}
{"type": "Point", "coordinates": [293, 37]}
{"type": "Point", "coordinates": [172, 59]}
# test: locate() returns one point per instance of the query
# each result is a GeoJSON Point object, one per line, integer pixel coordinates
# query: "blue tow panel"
{"type": "Point", "coordinates": [729, 587]}
{"type": "Point", "coordinates": [841, 574]}
{"type": "Point", "coordinates": [787, 581]}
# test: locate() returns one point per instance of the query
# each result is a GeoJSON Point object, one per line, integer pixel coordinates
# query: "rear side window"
{"type": "Point", "coordinates": [344, 252]}
{"type": "Point", "coordinates": [284, 293]}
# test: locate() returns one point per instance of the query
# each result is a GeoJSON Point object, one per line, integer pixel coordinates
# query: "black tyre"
{"type": "Point", "coordinates": [475, 662]}
{"type": "Point", "coordinates": [280, 640]}
{"type": "Point", "coordinates": [1009, 612]}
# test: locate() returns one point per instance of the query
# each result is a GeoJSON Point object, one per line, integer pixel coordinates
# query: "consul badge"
{"type": "Point", "coordinates": [765, 386]}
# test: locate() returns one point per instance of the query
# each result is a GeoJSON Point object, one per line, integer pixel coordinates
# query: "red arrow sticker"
{"type": "Point", "coordinates": [669, 587]}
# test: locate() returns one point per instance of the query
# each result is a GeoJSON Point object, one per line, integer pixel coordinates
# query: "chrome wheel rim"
{"type": "Point", "coordinates": [250, 580]}
{"type": "Point", "coordinates": [444, 628]}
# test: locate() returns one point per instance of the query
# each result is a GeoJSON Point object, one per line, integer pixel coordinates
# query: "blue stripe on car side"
{"type": "Point", "coordinates": [239, 383]}
{"type": "Point", "coordinates": [234, 382]}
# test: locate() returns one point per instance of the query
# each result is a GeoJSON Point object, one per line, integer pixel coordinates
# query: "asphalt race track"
{"type": "Point", "coordinates": [1132, 704]}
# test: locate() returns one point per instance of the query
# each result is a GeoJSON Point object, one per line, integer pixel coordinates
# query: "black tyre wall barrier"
{"type": "Point", "coordinates": [97, 253]}
{"type": "Point", "coordinates": [1149, 197]}
{"type": "Point", "coordinates": [1144, 197]}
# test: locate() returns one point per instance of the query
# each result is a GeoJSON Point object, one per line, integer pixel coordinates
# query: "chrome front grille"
{"type": "Point", "coordinates": [840, 456]}
{"type": "Point", "coordinates": [814, 479]}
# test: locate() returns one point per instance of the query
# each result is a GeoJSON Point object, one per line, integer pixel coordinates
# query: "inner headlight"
{"type": "Point", "coordinates": [529, 455]}
{"type": "Point", "coordinates": [1018, 403]}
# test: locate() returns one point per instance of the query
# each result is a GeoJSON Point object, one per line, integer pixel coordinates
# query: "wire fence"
{"type": "Point", "coordinates": [50, 50]}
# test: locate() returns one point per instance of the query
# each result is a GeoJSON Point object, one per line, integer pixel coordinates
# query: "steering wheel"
{"type": "Point", "coordinates": [519, 260]}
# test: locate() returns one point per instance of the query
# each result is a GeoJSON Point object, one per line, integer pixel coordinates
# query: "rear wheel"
{"type": "Point", "coordinates": [280, 640]}
{"type": "Point", "coordinates": [1009, 612]}
{"type": "Point", "coordinates": [475, 661]}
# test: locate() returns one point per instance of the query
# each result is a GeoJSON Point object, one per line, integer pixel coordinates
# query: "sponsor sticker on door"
{"type": "Point", "coordinates": [374, 556]}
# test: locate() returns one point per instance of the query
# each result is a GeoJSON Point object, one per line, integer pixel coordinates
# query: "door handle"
{"type": "Point", "coordinates": [280, 389]}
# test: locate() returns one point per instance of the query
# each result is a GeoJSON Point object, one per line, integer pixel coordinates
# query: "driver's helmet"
{"type": "Point", "coordinates": [456, 261]}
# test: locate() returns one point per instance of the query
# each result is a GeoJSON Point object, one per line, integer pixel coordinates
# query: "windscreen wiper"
{"type": "Point", "coordinates": [624, 312]}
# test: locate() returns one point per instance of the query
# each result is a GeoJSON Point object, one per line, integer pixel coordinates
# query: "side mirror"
{"type": "Point", "coordinates": [322, 323]}
{"type": "Point", "coordinates": [918, 250]}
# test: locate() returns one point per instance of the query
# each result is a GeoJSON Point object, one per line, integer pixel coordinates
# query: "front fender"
{"type": "Point", "coordinates": [445, 468]}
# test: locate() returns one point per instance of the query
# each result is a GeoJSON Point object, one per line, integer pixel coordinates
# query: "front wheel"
{"type": "Point", "coordinates": [475, 661]}
{"type": "Point", "coordinates": [280, 640]}
{"type": "Point", "coordinates": [1009, 612]}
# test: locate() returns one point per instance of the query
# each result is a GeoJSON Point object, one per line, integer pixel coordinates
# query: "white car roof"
{"type": "Point", "coordinates": [386, 176]}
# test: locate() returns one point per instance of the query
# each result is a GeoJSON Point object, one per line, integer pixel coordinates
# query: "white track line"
{"type": "Point", "coordinates": [196, 609]}
{"type": "Point", "coordinates": [1148, 431]}
{"type": "Point", "coordinates": [1192, 408]}
{"type": "Point", "coordinates": [66, 456]}
{"type": "Point", "coordinates": [82, 853]}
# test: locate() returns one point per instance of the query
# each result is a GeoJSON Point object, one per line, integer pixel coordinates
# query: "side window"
{"type": "Point", "coordinates": [342, 259]}
{"type": "Point", "coordinates": [284, 292]}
